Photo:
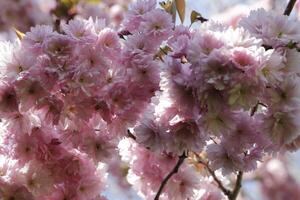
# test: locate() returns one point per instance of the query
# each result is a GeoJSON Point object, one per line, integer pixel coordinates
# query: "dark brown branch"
{"type": "Point", "coordinates": [237, 187]}
{"type": "Point", "coordinates": [166, 179]}
{"type": "Point", "coordinates": [289, 7]}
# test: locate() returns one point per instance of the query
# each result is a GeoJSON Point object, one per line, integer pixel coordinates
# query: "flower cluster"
{"type": "Point", "coordinates": [66, 99]}
{"type": "Point", "coordinates": [222, 97]}
{"type": "Point", "coordinates": [232, 93]}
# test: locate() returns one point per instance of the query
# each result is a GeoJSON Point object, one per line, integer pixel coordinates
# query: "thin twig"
{"type": "Point", "coordinates": [166, 179]}
{"type": "Point", "coordinates": [254, 109]}
{"type": "Point", "coordinates": [129, 134]}
{"type": "Point", "coordinates": [232, 195]}
{"type": "Point", "coordinates": [213, 174]}
{"type": "Point", "coordinates": [220, 184]}
{"type": "Point", "coordinates": [289, 7]}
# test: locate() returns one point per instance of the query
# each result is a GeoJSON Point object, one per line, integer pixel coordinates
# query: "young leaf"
{"type": "Point", "coordinates": [180, 6]}
{"type": "Point", "coordinates": [19, 34]}
{"type": "Point", "coordinates": [195, 16]}
{"type": "Point", "coordinates": [170, 7]}
{"type": "Point", "coordinates": [162, 52]}
{"type": "Point", "coordinates": [167, 6]}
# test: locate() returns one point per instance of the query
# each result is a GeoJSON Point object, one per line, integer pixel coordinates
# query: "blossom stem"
{"type": "Point", "coordinates": [289, 7]}
{"type": "Point", "coordinates": [166, 179]}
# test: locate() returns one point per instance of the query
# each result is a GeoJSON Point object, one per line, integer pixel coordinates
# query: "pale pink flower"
{"type": "Point", "coordinates": [89, 58]}
{"type": "Point", "coordinates": [159, 27]}
{"type": "Point", "coordinates": [108, 42]}
{"type": "Point", "coordinates": [50, 109]}
{"type": "Point", "coordinates": [13, 61]}
{"type": "Point", "coordinates": [201, 45]}
{"type": "Point", "coordinates": [150, 134]}
{"type": "Point", "coordinates": [146, 74]}
{"type": "Point", "coordinates": [224, 157]}
{"type": "Point", "coordinates": [282, 126]}
{"type": "Point", "coordinates": [18, 123]}
{"type": "Point", "coordinates": [79, 30]}
{"type": "Point", "coordinates": [272, 70]}
{"type": "Point", "coordinates": [217, 122]}
{"type": "Point", "coordinates": [239, 37]}
{"type": "Point", "coordinates": [135, 14]}
{"type": "Point", "coordinates": [8, 100]}
{"type": "Point", "coordinates": [36, 178]}
{"type": "Point", "coordinates": [25, 148]}
{"type": "Point", "coordinates": [185, 135]}
{"type": "Point", "coordinates": [99, 24]}
{"type": "Point", "coordinates": [285, 95]}
{"type": "Point", "coordinates": [243, 59]}
{"type": "Point", "coordinates": [99, 146]}
{"type": "Point", "coordinates": [29, 90]}
{"type": "Point", "coordinates": [58, 47]}
{"type": "Point", "coordinates": [183, 185]}
{"type": "Point", "coordinates": [179, 41]}
{"type": "Point", "coordinates": [14, 191]}
{"type": "Point", "coordinates": [34, 39]}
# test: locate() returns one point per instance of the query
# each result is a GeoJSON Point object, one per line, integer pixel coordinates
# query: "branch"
{"type": "Point", "coordinates": [232, 195]}
{"type": "Point", "coordinates": [289, 7]}
{"type": "Point", "coordinates": [174, 171]}
{"type": "Point", "coordinates": [221, 186]}
{"type": "Point", "coordinates": [237, 187]}
{"type": "Point", "coordinates": [212, 173]}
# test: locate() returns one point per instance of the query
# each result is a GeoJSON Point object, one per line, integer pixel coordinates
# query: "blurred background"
{"type": "Point", "coordinates": [276, 179]}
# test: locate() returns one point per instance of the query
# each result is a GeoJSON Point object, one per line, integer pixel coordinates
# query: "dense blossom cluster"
{"type": "Point", "coordinates": [68, 99]}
